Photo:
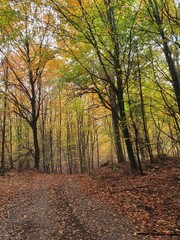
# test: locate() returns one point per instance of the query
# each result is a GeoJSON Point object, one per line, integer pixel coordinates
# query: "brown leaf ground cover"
{"type": "Point", "coordinates": [43, 206]}
{"type": "Point", "coordinates": [107, 204]}
{"type": "Point", "coordinates": [151, 201]}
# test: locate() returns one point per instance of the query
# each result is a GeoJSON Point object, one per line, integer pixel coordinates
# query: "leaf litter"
{"type": "Point", "coordinates": [106, 204]}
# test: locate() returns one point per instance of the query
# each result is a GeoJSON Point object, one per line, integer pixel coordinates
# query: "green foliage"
{"type": "Point", "coordinates": [85, 55]}
{"type": "Point", "coordinates": [8, 21]}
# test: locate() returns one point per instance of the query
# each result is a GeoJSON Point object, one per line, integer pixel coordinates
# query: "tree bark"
{"type": "Point", "coordinates": [60, 131]}
{"type": "Point", "coordinates": [3, 136]}
{"type": "Point", "coordinates": [146, 133]}
{"type": "Point", "coordinates": [97, 148]}
{"type": "Point", "coordinates": [117, 139]}
{"type": "Point", "coordinates": [126, 133]}
{"type": "Point", "coordinates": [115, 125]}
{"type": "Point", "coordinates": [10, 143]}
{"type": "Point", "coordinates": [4, 119]}
{"type": "Point", "coordinates": [36, 145]}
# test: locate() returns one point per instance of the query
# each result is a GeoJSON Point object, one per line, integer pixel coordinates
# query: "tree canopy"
{"type": "Point", "coordinates": [85, 82]}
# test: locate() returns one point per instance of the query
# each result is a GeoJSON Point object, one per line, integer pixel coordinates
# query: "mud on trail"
{"type": "Point", "coordinates": [59, 207]}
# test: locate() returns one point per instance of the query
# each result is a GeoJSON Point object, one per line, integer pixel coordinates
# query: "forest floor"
{"type": "Point", "coordinates": [107, 204]}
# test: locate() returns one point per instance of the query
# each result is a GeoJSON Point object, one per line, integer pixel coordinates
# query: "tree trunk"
{"type": "Point", "coordinates": [10, 143]}
{"type": "Point", "coordinates": [43, 144]}
{"type": "Point", "coordinates": [68, 146]}
{"type": "Point", "coordinates": [60, 132]}
{"type": "Point", "coordinates": [3, 137]}
{"type": "Point", "coordinates": [126, 134]}
{"type": "Point", "coordinates": [51, 149]}
{"type": "Point", "coordinates": [118, 72]}
{"type": "Point", "coordinates": [97, 148]}
{"type": "Point", "coordinates": [35, 105]}
{"type": "Point", "coordinates": [167, 51]}
{"type": "Point", "coordinates": [36, 145]}
{"type": "Point", "coordinates": [117, 140]}
{"type": "Point", "coordinates": [129, 147]}
{"type": "Point", "coordinates": [4, 119]}
{"type": "Point", "coordinates": [136, 131]}
{"type": "Point", "coordinates": [146, 133]}
{"type": "Point", "coordinates": [115, 124]}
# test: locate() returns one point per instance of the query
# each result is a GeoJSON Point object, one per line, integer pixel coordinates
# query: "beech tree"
{"type": "Point", "coordinates": [106, 46]}
{"type": "Point", "coordinates": [5, 79]}
{"type": "Point", "coordinates": [26, 61]}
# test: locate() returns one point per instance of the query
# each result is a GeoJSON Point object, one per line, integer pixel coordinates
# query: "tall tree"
{"type": "Point", "coordinates": [164, 15]}
{"type": "Point", "coordinates": [106, 47]}
{"type": "Point", "coordinates": [27, 62]}
{"type": "Point", "coordinates": [5, 80]}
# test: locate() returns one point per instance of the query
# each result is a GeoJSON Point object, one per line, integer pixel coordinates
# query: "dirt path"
{"type": "Point", "coordinates": [57, 207]}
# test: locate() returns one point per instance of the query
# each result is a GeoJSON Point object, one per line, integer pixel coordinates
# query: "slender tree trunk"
{"type": "Point", "coordinates": [172, 70]}
{"type": "Point", "coordinates": [81, 141]}
{"type": "Point", "coordinates": [126, 133]}
{"type": "Point", "coordinates": [50, 137]}
{"type": "Point", "coordinates": [88, 153]}
{"type": "Point", "coordinates": [80, 146]}
{"type": "Point", "coordinates": [136, 132]}
{"type": "Point", "coordinates": [137, 147]}
{"type": "Point", "coordinates": [60, 150]}
{"type": "Point", "coordinates": [92, 150]}
{"type": "Point", "coordinates": [93, 139]}
{"type": "Point", "coordinates": [51, 150]}
{"type": "Point", "coordinates": [43, 144]}
{"type": "Point", "coordinates": [138, 157]}
{"type": "Point", "coordinates": [97, 148]}
{"type": "Point", "coordinates": [60, 132]}
{"type": "Point", "coordinates": [10, 143]}
{"type": "Point", "coordinates": [68, 146]}
{"type": "Point", "coordinates": [4, 120]}
{"type": "Point", "coordinates": [146, 133]}
{"type": "Point", "coordinates": [166, 50]}
{"type": "Point", "coordinates": [3, 137]}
